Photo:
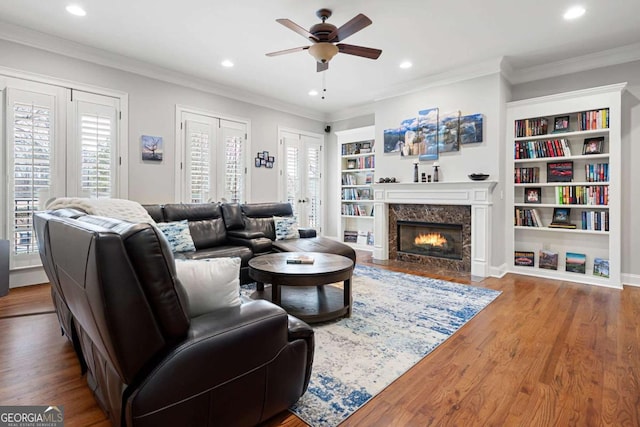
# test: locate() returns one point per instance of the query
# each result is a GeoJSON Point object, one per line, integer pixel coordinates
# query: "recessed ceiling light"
{"type": "Point", "coordinates": [227, 63]}
{"type": "Point", "coordinates": [574, 12]}
{"type": "Point", "coordinates": [406, 64]}
{"type": "Point", "coordinates": [76, 10]}
{"type": "Point", "coordinates": [313, 92]}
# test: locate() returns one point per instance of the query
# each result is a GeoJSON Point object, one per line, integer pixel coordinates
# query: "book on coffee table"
{"type": "Point", "coordinates": [303, 259]}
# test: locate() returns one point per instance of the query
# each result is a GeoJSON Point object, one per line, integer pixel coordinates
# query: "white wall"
{"type": "Point", "coordinates": [484, 95]}
{"type": "Point", "coordinates": [152, 112]}
{"type": "Point", "coordinates": [629, 72]}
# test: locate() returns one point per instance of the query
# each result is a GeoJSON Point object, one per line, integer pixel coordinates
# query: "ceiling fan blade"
{"type": "Point", "coordinates": [365, 52]}
{"type": "Point", "coordinates": [283, 52]}
{"type": "Point", "coordinates": [322, 66]}
{"type": "Point", "coordinates": [356, 24]}
{"type": "Point", "coordinates": [297, 28]}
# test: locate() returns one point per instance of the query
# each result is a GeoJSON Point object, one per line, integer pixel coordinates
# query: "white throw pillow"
{"type": "Point", "coordinates": [178, 235]}
{"type": "Point", "coordinates": [286, 227]}
{"type": "Point", "coordinates": [211, 284]}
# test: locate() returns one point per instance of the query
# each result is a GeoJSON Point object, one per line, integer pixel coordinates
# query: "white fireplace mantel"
{"type": "Point", "coordinates": [477, 194]}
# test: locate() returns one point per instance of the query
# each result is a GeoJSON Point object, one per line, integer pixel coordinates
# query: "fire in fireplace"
{"type": "Point", "coordinates": [430, 239]}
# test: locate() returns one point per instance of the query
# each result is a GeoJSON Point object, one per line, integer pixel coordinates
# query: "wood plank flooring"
{"type": "Point", "coordinates": [544, 353]}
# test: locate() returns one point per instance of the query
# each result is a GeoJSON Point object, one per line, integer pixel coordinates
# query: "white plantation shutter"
{"type": "Point", "coordinates": [199, 161]}
{"type": "Point", "coordinates": [234, 145]}
{"type": "Point", "coordinates": [93, 141]}
{"type": "Point", "coordinates": [31, 127]}
{"type": "Point", "coordinates": [292, 172]}
{"type": "Point", "coordinates": [314, 184]}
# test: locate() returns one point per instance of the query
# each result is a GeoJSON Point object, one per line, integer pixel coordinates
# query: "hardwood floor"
{"type": "Point", "coordinates": [544, 353]}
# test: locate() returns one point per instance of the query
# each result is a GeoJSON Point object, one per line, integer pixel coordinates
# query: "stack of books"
{"type": "Point", "coordinates": [300, 259]}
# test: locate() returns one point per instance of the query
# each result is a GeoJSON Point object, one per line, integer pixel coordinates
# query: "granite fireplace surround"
{"type": "Point", "coordinates": [439, 214]}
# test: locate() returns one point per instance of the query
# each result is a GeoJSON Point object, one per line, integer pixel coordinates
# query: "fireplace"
{"type": "Point", "coordinates": [430, 239]}
{"type": "Point", "coordinates": [452, 221]}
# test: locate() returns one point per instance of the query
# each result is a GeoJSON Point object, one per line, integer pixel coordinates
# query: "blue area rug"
{"type": "Point", "coordinates": [397, 319]}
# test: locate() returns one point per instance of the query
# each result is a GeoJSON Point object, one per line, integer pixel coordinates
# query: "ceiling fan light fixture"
{"type": "Point", "coordinates": [323, 52]}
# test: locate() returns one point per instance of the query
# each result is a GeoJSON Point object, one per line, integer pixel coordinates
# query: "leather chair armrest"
{"type": "Point", "coordinates": [307, 232]}
{"type": "Point", "coordinates": [300, 330]}
{"type": "Point", "coordinates": [242, 234]}
{"type": "Point", "coordinates": [234, 341]}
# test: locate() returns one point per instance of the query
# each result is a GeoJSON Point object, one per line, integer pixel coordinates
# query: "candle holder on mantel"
{"type": "Point", "coordinates": [436, 165]}
{"type": "Point", "coordinates": [415, 172]}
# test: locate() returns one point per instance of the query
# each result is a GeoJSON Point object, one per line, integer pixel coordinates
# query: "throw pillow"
{"type": "Point", "coordinates": [286, 227]}
{"type": "Point", "coordinates": [211, 284]}
{"type": "Point", "coordinates": [178, 235]}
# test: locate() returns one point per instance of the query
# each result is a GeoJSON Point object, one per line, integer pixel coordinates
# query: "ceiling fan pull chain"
{"type": "Point", "coordinates": [324, 84]}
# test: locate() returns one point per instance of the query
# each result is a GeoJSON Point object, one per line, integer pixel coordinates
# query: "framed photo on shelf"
{"type": "Point", "coordinates": [561, 124]}
{"type": "Point", "coordinates": [561, 216]}
{"type": "Point", "coordinates": [560, 172]}
{"type": "Point", "coordinates": [351, 164]}
{"type": "Point", "coordinates": [593, 145]}
{"type": "Point", "coordinates": [533, 195]}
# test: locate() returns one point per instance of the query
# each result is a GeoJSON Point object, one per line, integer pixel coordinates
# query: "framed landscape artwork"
{"type": "Point", "coordinates": [471, 129]}
{"type": "Point", "coordinates": [428, 134]}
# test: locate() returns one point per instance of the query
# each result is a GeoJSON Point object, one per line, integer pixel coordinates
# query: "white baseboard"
{"type": "Point", "coordinates": [630, 279]}
{"type": "Point", "coordinates": [27, 277]}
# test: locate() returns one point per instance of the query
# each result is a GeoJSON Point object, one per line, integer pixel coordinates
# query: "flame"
{"type": "Point", "coordinates": [432, 239]}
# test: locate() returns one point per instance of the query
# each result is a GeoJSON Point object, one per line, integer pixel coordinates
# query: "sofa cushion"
{"type": "Point", "coordinates": [285, 227]}
{"type": "Point", "coordinates": [205, 222]}
{"type": "Point", "coordinates": [241, 252]}
{"type": "Point", "coordinates": [232, 215]}
{"type": "Point", "coordinates": [211, 284]}
{"type": "Point", "coordinates": [178, 235]}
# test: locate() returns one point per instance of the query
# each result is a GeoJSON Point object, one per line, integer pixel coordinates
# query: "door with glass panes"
{"type": "Point", "coordinates": [302, 172]}
{"type": "Point", "coordinates": [214, 159]}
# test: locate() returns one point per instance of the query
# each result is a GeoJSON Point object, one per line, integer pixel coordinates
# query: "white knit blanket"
{"type": "Point", "coordinates": [126, 210]}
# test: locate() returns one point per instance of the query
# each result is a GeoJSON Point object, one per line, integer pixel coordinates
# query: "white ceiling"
{"type": "Point", "coordinates": [440, 37]}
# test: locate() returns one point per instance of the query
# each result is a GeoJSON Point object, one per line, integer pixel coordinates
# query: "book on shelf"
{"type": "Point", "coordinates": [370, 239]}
{"type": "Point", "coordinates": [542, 149]}
{"type": "Point", "coordinates": [531, 127]}
{"type": "Point", "coordinates": [362, 238]}
{"type": "Point", "coordinates": [526, 175]}
{"type": "Point", "coordinates": [524, 258]}
{"type": "Point", "coordinates": [601, 267]}
{"type": "Point", "coordinates": [594, 119]}
{"type": "Point", "coordinates": [527, 218]}
{"type": "Point", "coordinates": [596, 172]}
{"type": "Point", "coordinates": [300, 259]}
{"type": "Point", "coordinates": [595, 220]}
{"type": "Point", "coordinates": [548, 260]}
{"type": "Point", "coordinates": [575, 263]}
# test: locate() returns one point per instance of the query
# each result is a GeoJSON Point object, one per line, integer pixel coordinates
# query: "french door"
{"type": "Point", "coordinates": [302, 173]}
{"type": "Point", "coordinates": [59, 142]}
{"type": "Point", "coordinates": [213, 153]}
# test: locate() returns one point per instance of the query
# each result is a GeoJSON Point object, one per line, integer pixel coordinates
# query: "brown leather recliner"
{"type": "Point", "coordinates": [148, 363]}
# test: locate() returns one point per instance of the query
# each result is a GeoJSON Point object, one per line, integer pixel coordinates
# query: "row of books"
{"type": "Point", "coordinates": [574, 262]}
{"type": "Point", "coordinates": [526, 175]}
{"type": "Point", "coordinates": [354, 209]}
{"type": "Point", "coordinates": [358, 237]}
{"type": "Point", "coordinates": [531, 127]}
{"type": "Point", "coordinates": [582, 195]}
{"type": "Point", "coordinates": [561, 172]}
{"type": "Point", "coordinates": [540, 149]}
{"type": "Point", "coordinates": [368, 162]}
{"type": "Point", "coordinates": [594, 119]}
{"type": "Point", "coordinates": [595, 220]}
{"type": "Point", "coordinates": [524, 217]}
{"type": "Point", "coordinates": [597, 172]}
{"type": "Point", "coordinates": [357, 147]}
{"type": "Point", "coordinates": [354, 179]}
{"type": "Point", "coordinates": [356, 194]}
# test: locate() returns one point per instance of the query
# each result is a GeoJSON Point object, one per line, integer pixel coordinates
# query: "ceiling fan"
{"type": "Point", "coordinates": [324, 37]}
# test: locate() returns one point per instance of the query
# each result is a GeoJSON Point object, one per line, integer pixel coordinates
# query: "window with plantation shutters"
{"type": "Point", "coordinates": [215, 155]}
{"type": "Point", "coordinates": [59, 143]}
{"type": "Point", "coordinates": [31, 130]}
{"type": "Point", "coordinates": [199, 161]}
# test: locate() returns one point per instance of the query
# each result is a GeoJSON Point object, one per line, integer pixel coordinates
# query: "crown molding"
{"type": "Point", "coordinates": [605, 58]}
{"type": "Point", "coordinates": [25, 36]}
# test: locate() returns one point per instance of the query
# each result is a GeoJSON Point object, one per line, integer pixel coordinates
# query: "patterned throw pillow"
{"type": "Point", "coordinates": [286, 227]}
{"type": "Point", "coordinates": [178, 235]}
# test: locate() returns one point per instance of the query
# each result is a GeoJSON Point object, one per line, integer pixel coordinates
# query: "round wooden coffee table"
{"type": "Point", "coordinates": [302, 289]}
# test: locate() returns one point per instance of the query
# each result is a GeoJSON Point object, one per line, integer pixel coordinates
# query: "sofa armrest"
{"type": "Point", "coordinates": [307, 232]}
{"type": "Point", "coordinates": [300, 330]}
{"type": "Point", "coordinates": [220, 348]}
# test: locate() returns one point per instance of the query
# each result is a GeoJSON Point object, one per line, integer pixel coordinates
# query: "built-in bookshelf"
{"type": "Point", "coordinates": [356, 160]}
{"type": "Point", "coordinates": [564, 197]}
